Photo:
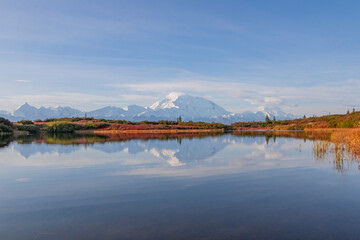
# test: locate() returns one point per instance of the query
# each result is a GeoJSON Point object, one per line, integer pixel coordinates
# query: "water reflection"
{"type": "Point", "coordinates": [5, 140]}
{"type": "Point", "coordinates": [176, 148]}
{"type": "Point", "coordinates": [160, 154]}
{"type": "Point", "coordinates": [255, 148]}
{"type": "Point", "coordinates": [342, 158]}
{"type": "Point", "coordinates": [240, 185]}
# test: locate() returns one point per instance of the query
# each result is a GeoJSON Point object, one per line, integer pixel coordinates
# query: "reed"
{"type": "Point", "coordinates": [349, 140]}
{"type": "Point", "coordinates": [321, 149]}
{"type": "Point", "coordinates": [343, 147]}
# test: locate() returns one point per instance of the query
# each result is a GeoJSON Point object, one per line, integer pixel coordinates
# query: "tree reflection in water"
{"type": "Point", "coordinates": [340, 147]}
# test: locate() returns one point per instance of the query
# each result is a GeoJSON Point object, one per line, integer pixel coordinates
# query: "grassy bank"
{"type": "Point", "coordinates": [349, 120]}
{"type": "Point", "coordinates": [342, 147]}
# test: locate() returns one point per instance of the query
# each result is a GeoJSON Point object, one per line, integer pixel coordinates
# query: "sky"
{"type": "Point", "coordinates": [301, 56]}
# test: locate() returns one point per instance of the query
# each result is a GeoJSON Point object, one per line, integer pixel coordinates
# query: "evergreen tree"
{"type": "Point", "coordinates": [304, 117]}
{"type": "Point", "coordinates": [267, 120]}
{"type": "Point", "coordinates": [179, 120]}
{"type": "Point", "coordinates": [5, 121]}
{"type": "Point", "coordinates": [274, 120]}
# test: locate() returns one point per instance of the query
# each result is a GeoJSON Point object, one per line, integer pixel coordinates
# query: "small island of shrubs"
{"type": "Point", "coordinates": [5, 126]}
{"type": "Point", "coordinates": [30, 127]}
{"type": "Point", "coordinates": [68, 127]}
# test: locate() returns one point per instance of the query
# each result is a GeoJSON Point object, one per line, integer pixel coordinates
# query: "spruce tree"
{"type": "Point", "coordinates": [267, 119]}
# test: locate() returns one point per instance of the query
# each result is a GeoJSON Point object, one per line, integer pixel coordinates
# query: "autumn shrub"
{"type": "Point", "coordinates": [332, 124]}
{"type": "Point", "coordinates": [25, 122]}
{"type": "Point", "coordinates": [62, 127]}
{"type": "Point", "coordinates": [95, 125]}
{"type": "Point", "coordinates": [28, 127]}
{"type": "Point", "coordinates": [5, 128]}
{"type": "Point", "coordinates": [70, 119]}
{"type": "Point", "coordinates": [347, 124]}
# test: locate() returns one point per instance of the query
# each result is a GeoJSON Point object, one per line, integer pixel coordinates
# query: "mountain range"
{"type": "Point", "coordinates": [190, 108]}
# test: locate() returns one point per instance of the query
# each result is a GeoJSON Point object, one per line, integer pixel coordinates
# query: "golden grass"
{"type": "Point", "coordinates": [349, 139]}
{"type": "Point", "coordinates": [343, 147]}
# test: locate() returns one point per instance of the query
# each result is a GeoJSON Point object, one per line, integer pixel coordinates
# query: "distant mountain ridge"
{"type": "Point", "coordinates": [190, 108]}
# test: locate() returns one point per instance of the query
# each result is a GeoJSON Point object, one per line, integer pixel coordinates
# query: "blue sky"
{"type": "Point", "coordinates": [301, 56]}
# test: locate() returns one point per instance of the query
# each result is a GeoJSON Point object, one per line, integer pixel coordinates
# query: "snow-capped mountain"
{"type": "Point", "coordinates": [117, 112]}
{"type": "Point", "coordinates": [32, 113]}
{"type": "Point", "coordinates": [259, 115]}
{"type": "Point", "coordinates": [107, 113]}
{"type": "Point", "coordinates": [4, 113]}
{"type": "Point", "coordinates": [190, 108]}
{"type": "Point", "coordinates": [186, 106]}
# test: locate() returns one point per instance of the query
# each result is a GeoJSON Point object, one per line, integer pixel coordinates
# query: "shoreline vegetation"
{"type": "Point", "coordinates": [342, 131]}
{"type": "Point", "coordinates": [339, 145]}
{"type": "Point", "coordinates": [91, 125]}
{"type": "Point", "coordinates": [70, 125]}
{"type": "Point", "coordinates": [335, 121]}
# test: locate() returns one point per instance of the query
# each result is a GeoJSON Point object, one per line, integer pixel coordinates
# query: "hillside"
{"type": "Point", "coordinates": [349, 120]}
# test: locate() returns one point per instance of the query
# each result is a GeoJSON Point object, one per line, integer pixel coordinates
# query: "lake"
{"type": "Point", "coordinates": [244, 185]}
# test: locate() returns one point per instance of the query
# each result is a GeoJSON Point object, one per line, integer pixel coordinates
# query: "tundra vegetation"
{"type": "Point", "coordinates": [340, 134]}
{"type": "Point", "coordinates": [68, 125]}
{"type": "Point", "coordinates": [27, 126]}
{"type": "Point", "coordinates": [61, 127]}
{"type": "Point", "coordinates": [91, 123]}
{"type": "Point", "coordinates": [348, 120]}
{"type": "Point", "coordinates": [6, 127]}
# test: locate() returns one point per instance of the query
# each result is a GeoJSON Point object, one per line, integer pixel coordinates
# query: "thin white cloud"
{"type": "Point", "coordinates": [273, 100]}
{"type": "Point", "coordinates": [265, 101]}
{"type": "Point", "coordinates": [319, 99]}
{"type": "Point", "coordinates": [136, 97]}
{"type": "Point", "coordinates": [77, 100]}
{"type": "Point", "coordinates": [234, 96]}
{"type": "Point", "coordinates": [22, 180]}
{"type": "Point", "coordinates": [22, 81]}
{"type": "Point", "coordinates": [124, 86]}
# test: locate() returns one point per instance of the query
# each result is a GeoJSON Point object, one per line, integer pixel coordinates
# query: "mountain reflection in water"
{"type": "Point", "coordinates": [177, 149]}
{"type": "Point", "coordinates": [239, 185]}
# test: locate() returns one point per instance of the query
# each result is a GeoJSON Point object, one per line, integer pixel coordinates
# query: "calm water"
{"type": "Point", "coordinates": [231, 186]}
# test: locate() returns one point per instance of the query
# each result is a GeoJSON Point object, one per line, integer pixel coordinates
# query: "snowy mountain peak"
{"type": "Point", "coordinates": [28, 112]}
{"type": "Point", "coordinates": [24, 106]}
{"type": "Point", "coordinates": [190, 108]}
{"type": "Point", "coordinates": [168, 102]}
{"type": "Point", "coordinates": [187, 106]}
